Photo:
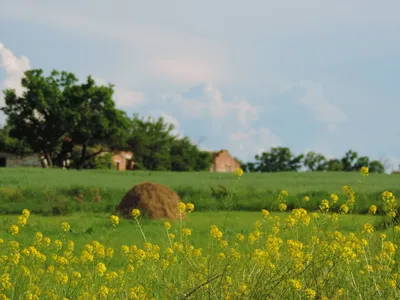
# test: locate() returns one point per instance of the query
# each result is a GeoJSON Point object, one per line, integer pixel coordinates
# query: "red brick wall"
{"type": "Point", "coordinates": [224, 162]}
{"type": "Point", "coordinates": [119, 162]}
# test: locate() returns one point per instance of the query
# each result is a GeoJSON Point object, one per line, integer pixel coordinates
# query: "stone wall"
{"type": "Point", "coordinates": [12, 160]}
{"type": "Point", "coordinates": [224, 162]}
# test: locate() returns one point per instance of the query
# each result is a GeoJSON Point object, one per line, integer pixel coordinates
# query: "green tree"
{"type": "Point", "coordinates": [362, 161]}
{"type": "Point", "coordinates": [315, 161]}
{"type": "Point", "coordinates": [151, 141]}
{"type": "Point", "coordinates": [278, 159]}
{"type": "Point", "coordinates": [250, 167]}
{"type": "Point", "coordinates": [348, 160]}
{"type": "Point", "coordinates": [55, 113]}
{"type": "Point", "coordinates": [98, 122]}
{"type": "Point", "coordinates": [43, 115]}
{"type": "Point", "coordinates": [12, 145]}
{"type": "Point", "coordinates": [376, 166]}
{"type": "Point", "coordinates": [187, 157]}
{"type": "Point", "coordinates": [334, 164]}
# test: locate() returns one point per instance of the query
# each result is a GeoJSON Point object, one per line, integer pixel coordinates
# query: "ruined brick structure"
{"type": "Point", "coordinates": [224, 162]}
{"type": "Point", "coordinates": [123, 161]}
{"type": "Point", "coordinates": [12, 160]}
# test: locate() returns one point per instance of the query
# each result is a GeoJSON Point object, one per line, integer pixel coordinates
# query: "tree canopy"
{"type": "Point", "coordinates": [57, 109]}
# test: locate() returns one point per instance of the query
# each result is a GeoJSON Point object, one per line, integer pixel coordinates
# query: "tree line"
{"type": "Point", "coordinates": [281, 159]}
{"type": "Point", "coordinates": [66, 120]}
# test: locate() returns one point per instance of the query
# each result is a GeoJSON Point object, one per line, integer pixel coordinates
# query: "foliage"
{"type": "Point", "coordinates": [156, 147]}
{"type": "Point", "coordinates": [55, 110]}
{"type": "Point", "coordinates": [12, 145]}
{"type": "Point", "coordinates": [103, 161]}
{"type": "Point", "coordinates": [348, 160]}
{"type": "Point", "coordinates": [376, 167]}
{"type": "Point", "coordinates": [315, 161]}
{"type": "Point", "coordinates": [278, 159]}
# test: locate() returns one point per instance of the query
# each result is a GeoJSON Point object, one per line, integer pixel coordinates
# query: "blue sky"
{"type": "Point", "coordinates": [236, 75]}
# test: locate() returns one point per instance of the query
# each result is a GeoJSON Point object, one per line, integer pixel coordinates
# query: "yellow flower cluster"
{"type": "Point", "coordinates": [351, 196]}
{"type": "Point", "coordinates": [238, 172]}
{"type": "Point", "coordinates": [364, 171]}
{"type": "Point", "coordinates": [21, 222]}
{"type": "Point", "coordinates": [390, 205]}
{"type": "Point", "coordinates": [55, 270]}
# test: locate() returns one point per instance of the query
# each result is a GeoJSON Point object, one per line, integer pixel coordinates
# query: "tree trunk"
{"type": "Point", "coordinates": [83, 157]}
{"type": "Point", "coordinates": [47, 156]}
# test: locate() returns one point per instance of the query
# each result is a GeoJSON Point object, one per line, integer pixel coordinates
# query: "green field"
{"type": "Point", "coordinates": [52, 191]}
{"type": "Point", "coordinates": [291, 255]}
{"type": "Point", "coordinates": [86, 227]}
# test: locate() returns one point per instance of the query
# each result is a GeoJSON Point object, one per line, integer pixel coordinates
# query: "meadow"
{"type": "Point", "coordinates": [330, 246]}
{"type": "Point", "coordinates": [60, 192]}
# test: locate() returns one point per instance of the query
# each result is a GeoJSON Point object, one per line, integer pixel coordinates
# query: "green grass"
{"type": "Point", "coordinates": [86, 227]}
{"type": "Point", "coordinates": [52, 191]}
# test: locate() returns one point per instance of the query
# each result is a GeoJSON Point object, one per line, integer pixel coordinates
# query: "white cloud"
{"type": "Point", "coordinates": [170, 119]}
{"type": "Point", "coordinates": [162, 52]}
{"type": "Point", "coordinates": [13, 69]}
{"type": "Point", "coordinates": [188, 71]}
{"type": "Point", "coordinates": [322, 110]}
{"type": "Point", "coordinates": [123, 97]}
{"type": "Point", "coordinates": [251, 142]}
{"type": "Point", "coordinates": [205, 101]}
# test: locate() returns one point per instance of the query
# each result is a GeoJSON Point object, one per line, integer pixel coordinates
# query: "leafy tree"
{"type": "Point", "coordinates": [43, 115]}
{"type": "Point", "coordinates": [334, 164]}
{"type": "Point", "coordinates": [55, 113]}
{"type": "Point", "coordinates": [376, 166]}
{"type": "Point", "coordinates": [187, 157]}
{"type": "Point", "coordinates": [98, 122]}
{"type": "Point", "coordinates": [348, 160]}
{"type": "Point", "coordinates": [250, 167]}
{"type": "Point", "coordinates": [12, 145]}
{"type": "Point", "coordinates": [362, 161]}
{"type": "Point", "coordinates": [279, 159]}
{"type": "Point", "coordinates": [155, 147]}
{"type": "Point", "coordinates": [151, 141]}
{"type": "Point", "coordinates": [315, 161]}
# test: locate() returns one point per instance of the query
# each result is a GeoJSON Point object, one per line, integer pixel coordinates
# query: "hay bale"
{"type": "Point", "coordinates": [152, 199]}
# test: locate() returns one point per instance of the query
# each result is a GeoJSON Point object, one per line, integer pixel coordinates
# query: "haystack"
{"type": "Point", "coordinates": [152, 199]}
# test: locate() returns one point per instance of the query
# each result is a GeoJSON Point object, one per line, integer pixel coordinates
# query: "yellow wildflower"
{"type": "Point", "coordinates": [114, 220]}
{"type": "Point", "coordinates": [65, 226]}
{"type": "Point", "coordinates": [189, 207]}
{"type": "Point", "coordinates": [14, 229]}
{"type": "Point", "coordinates": [282, 207]}
{"type": "Point", "coordinates": [372, 209]}
{"type": "Point", "coordinates": [364, 171]}
{"type": "Point", "coordinates": [135, 213]}
{"type": "Point", "coordinates": [238, 172]}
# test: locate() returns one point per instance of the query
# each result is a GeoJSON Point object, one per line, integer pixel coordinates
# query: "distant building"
{"type": "Point", "coordinates": [123, 160]}
{"type": "Point", "coordinates": [10, 160]}
{"type": "Point", "coordinates": [224, 162]}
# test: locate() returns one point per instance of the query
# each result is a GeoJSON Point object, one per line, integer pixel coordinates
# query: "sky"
{"type": "Point", "coordinates": [238, 75]}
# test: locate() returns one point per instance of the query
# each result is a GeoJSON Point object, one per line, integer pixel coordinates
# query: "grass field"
{"type": "Point", "coordinates": [86, 227]}
{"type": "Point", "coordinates": [72, 250]}
{"type": "Point", "coordinates": [50, 192]}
